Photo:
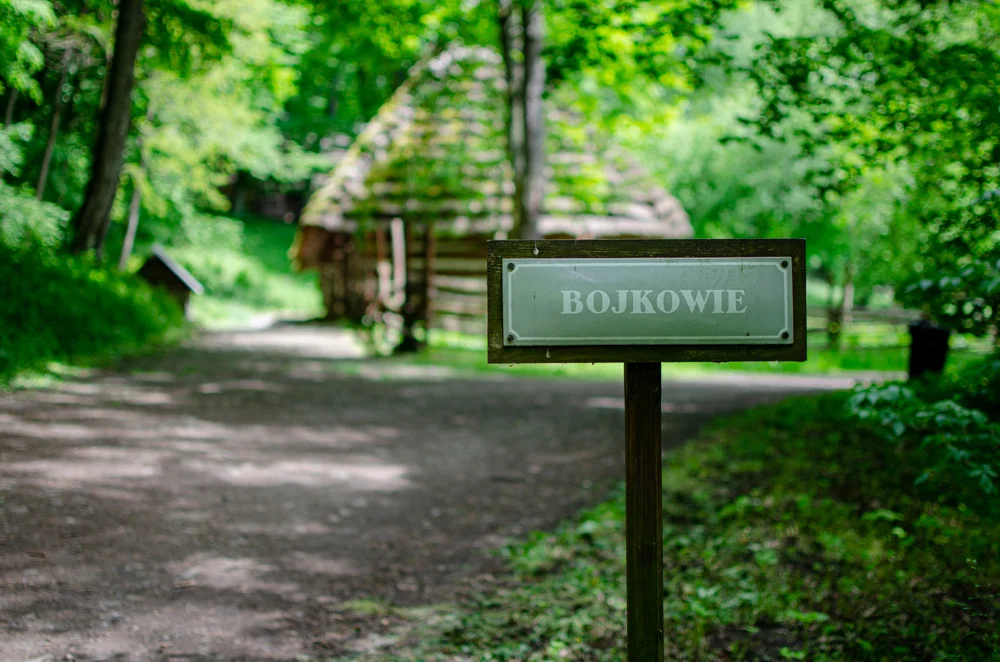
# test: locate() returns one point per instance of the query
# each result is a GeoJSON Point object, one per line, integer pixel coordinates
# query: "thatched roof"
{"type": "Point", "coordinates": [436, 153]}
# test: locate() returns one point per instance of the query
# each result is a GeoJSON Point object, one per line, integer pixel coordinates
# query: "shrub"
{"type": "Point", "coordinates": [23, 219]}
{"type": "Point", "coordinates": [245, 263]}
{"type": "Point", "coordinates": [55, 308]}
{"type": "Point", "coordinates": [965, 298]}
{"type": "Point", "coordinates": [955, 446]}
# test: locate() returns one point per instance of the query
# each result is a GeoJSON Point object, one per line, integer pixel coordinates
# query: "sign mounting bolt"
{"type": "Point", "coordinates": [510, 337]}
{"type": "Point", "coordinates": [784, 264]}
{"type": "Point", "coordinates": [510, 266]}
{"type": "Point", "coordinates": [784, 335]}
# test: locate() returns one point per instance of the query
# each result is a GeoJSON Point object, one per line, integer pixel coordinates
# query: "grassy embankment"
{"type": "Point", "coordinates": [59, 309]}
{"type": "Point", "coordinates": [794, 532]}
{"type": "Point", "coordinates": [867, 348]}
{"type": "Point", "coordinates": [246, 272]}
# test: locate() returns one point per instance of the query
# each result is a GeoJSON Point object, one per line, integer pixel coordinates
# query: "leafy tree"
{"type": "Point", "coordinates": [20, 57]}
{"type": "Point", "coordinates": [899, 84]}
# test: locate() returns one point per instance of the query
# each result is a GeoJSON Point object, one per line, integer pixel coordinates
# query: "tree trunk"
{"type": "Point", "coordinates": [533, 85]}
{"type": "Point", "coordinates": [8, 117]}
{"type": "Point", "coordinates": [839, 313]}
{"type": "Point", "coordinates": [90, 225]}
{"type": "Point", "coordinates": [238, 203]}
{"type": "Point", "coordinates": [514, 74]}
{"type": "Point", "coordinates": [57, 109]}
{"type": "Point", "coordinates": [133, 223]}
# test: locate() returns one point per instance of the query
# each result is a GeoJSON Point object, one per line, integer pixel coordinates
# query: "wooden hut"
{"type": "Point", "coordinates": [161, 271]}
{"type": "Point", "coordinates": [402, 222]}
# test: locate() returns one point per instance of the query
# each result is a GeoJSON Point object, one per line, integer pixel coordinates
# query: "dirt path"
{"type": "Point", "coordinates": [216, 502]}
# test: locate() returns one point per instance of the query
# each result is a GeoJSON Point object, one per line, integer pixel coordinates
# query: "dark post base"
{"type": "Point", "coordinates": [643, 513]}
{"type": "Point", "coordinates": [928, 348]}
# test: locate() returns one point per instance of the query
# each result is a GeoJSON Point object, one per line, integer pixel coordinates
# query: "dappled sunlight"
{"type": "Point", "coordinates": [92, 465]}
{"type": "Point", "coordinates": [241, 385]}
{"type": "Point", "coordinates": [320, 564]}
{"type": "Point", "coordinates": [296, 341]}
{"type": "Point", "coordinates": [287, 528]}
{"type": "Point", "coordinates": [243, 575]}
{"type": "Point", "coordinates": [376, 371]}
{"type": "Point", "coordinates": [217, 499]}
{"type": "Point", "coordinates": [310, 473]}
{"type": "Point", "coordinates": [666, 407]}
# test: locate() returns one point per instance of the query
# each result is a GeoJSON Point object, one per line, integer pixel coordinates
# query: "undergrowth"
{"type": "Point", "coordinates": [61, 308]}
{"type": "Point", "coordinates": [246, 271]}
{"type": "Point", "coordinates": [792, 532]}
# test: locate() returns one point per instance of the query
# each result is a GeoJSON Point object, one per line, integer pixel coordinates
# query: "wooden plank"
{"type": "Point", "coordinates": [453, 307]}
{"type": "Point", "coordinates": [460, 284]}
{"type": "Point", "coordinates": [642, 248]}
{"type": "Point", "coordinates": [450, 266]}
{"type": "Point", "coordinates": [445, 292]}
{"type": "Point", "coordinates": [643, 512]}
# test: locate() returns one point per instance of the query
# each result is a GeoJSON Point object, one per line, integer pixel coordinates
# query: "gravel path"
{"type": "Point", "coordinates": [217, 502]}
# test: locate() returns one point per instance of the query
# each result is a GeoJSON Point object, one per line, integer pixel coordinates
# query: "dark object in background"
{"type": "Point", "coordinates": [161, 271]}
{"type": "Point", "coordinates": [928, 347]}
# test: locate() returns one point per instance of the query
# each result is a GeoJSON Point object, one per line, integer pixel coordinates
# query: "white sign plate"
{"type": "Point", "coordinates": [647, 301]}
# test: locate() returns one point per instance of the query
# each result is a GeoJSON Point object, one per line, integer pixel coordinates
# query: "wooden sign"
{"type": "Point", "coordinates": [641, 303]}
{"type": "Point", "coordinates": [646, 300]}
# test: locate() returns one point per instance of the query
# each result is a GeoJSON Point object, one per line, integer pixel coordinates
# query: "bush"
{"type": "Point", "coordinates": [965, 298]}
{"type": "Point", "coordinates": [789, 533]}
{"type": "Point", "coordinates": [24, 221]}
{"type": "Point", "coordinates": [245, 263]}
{"type": "Point", "coordinates": [940, 427]}
{"type": "Point", "coordinates": [57, 308]}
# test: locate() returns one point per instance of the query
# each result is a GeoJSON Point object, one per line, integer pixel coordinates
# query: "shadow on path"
{"type": "Point", "coordinates": [215, 502]}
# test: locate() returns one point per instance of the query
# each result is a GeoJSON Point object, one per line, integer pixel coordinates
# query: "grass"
{"type": "Point", "coordinates": [790, 533]}
{"type": "Point", "coordinates": [466, 354]}
{"type": "Point", "coordinates": [60, 309]}
{"type": "Point", "coordinates": [246, 271]}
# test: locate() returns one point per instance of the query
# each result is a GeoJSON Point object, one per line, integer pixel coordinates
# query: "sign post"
{"type": "Point", "coordinates": [642, 303]}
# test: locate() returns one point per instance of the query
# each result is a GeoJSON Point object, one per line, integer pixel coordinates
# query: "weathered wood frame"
{"type": "Point", "coordinates": [497, 251]}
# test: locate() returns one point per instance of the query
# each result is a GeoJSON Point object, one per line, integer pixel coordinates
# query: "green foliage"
{"type": "Point", "coordinates": [965, 298]}
{"type": "Point", "coordinates": [958, 447]}
{"type": "Point", "coordinates": [978, 386]}
{"type": "Point", "coordinates": [898, 84]}
{"type": "Point", "coordinates": [359, 52]}
{"type": "Point", "coordinates": [624, 46]}
{"type": "Point", "coordinates": [20, 57]}
{"type": "Point", "coordinates": [60, 309]}
{"type": "Point", "coordinates": [23, 219]}
{"type": "Point", "coordinates": [245, 269]}
{"type": "Point", "coordinates": [789, 533]}
{"type": "Point", "coordinates": [26, 221]}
